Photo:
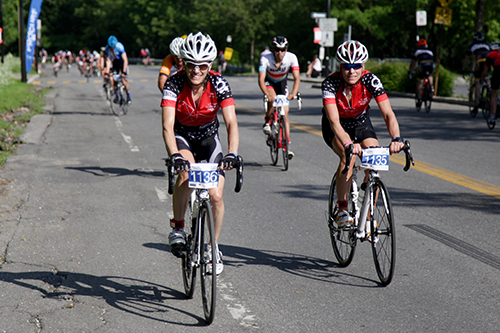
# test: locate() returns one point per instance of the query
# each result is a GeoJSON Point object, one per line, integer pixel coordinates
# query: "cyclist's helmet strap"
{"type": "Point", "coordinates": [198, 48]}
{"type": "Point", "coordinates": [175, 46]}
{"type": "Point", "coordinates": [279, 42]}
{"type": "Point", "coordinates": [478, 36]}
{"type": "Point", "coordinates": [352, 52]}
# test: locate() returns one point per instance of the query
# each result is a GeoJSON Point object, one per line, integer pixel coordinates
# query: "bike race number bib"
{"type": "Point", "coordinates": [375, 158]}
{"type": "Point", "coordinates": [203, 175]}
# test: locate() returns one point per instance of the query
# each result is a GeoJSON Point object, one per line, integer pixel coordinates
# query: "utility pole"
{"type": "Point", "coordinates": [1, 26]}
{"type": "Point", "coordinates": [22, 45]}
{"type": "Point", "coordinates": [327, 56]}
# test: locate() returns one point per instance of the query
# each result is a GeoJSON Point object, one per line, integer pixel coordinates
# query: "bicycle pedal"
{"type": "Point", "coordinates": [178, 251]}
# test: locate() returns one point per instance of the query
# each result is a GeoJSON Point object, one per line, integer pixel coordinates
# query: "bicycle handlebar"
{"type": "Point", "coordinates": [171, 175]}
{"type": "Point", "coordinates": [406, 149]}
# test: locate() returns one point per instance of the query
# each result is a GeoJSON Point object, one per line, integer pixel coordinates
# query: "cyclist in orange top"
{"type": "Point", "coordinates": [172, 63]}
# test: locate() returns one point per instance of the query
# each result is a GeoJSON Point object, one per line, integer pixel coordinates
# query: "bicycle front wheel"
{"type": "Point", "coordinates": [343, 240]}
{"type": "Point", "coordinates": [382, 235]}
{"type": "Point", "coordinates": [209, 261]}
{"type": "Point", "coordinates": [187, 262]}
{"type": "Point", "coordinates": [284, 142]}
{"type": "Point", "coordinates": [115, 109]}
{"type": "Point", "coordinates": [273, 143]}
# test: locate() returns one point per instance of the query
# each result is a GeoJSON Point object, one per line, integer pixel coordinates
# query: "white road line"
{"type": "Point", "coordinates": [235, 306]}
{"type": "Point", "coordinates": [162, 194]}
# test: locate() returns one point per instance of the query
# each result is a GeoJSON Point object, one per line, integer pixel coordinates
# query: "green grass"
{"type": "Point", "coordinates": [18, 103]}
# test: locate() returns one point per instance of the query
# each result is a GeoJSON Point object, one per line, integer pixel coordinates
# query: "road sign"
{"type": "Point", "coordinates": [317, 35]}
{"type": "Point", "coordinates": [445, 3]}
{"type": "Point", "coordinates": [421, 18]}
{"type": "Point", "coordinates": [316, 15]}
{"type": "Point", "coordinates": [443, 16]}
{"type": "Point", "coordinates": [327, 38]}
{"type": "Point", "coordinates": [328, 24]}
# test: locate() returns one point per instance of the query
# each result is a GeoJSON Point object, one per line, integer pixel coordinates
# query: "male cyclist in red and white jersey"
{"type": "Point", "coordinates": [191, 100]}
{"type": "Point", "coordinates": [346, 115]}
{"type": "Point", "coordinates": [273, 73]}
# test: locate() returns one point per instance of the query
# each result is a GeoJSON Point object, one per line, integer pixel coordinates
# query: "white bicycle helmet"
{"type": "Point", "coordinates": [279, 42]}
{"type": "Point", "coordinates": [352, 52]}
{"type": "Point", "coordinates": [175, 46]}
{"type": "Point", "coordinates": [495, 46]}
{"type": "Point", "coordinates": [198, 48]}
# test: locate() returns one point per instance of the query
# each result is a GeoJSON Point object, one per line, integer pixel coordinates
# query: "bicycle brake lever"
{"type": "Point", "coordinates": [348, 157]}
{"type": "Point", "coordinates": [239, 175]}
{"type": "Point", "coordinates": [171, 178]}
{"type": "Point", "coordinates": [409, 156]}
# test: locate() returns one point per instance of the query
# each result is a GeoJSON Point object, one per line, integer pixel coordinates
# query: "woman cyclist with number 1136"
{"type": "Point", "coordinates": [191, 100]}
{"type": "Point", "coordinates": [346, 115]}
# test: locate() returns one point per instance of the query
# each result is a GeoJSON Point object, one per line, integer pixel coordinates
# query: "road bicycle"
{"type": "Point", "coordinates": [484, 92]}
{"type": "Point", "coordinates": [278, 137]}
{"type": "Point", "coordinates": [427, 96]}
{"type": "Point", "coordinates": [297, 97]}
{"type": "Point", "coordinates": [371, 208]}
{"type": "Point", "coordinates": [199, 229]}
{"type": "Point", "coordinates": [118, 97]}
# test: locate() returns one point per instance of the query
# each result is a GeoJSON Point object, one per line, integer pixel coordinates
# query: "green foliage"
{"type": "Point", "coordinates": [386, 27]}
{"type": "Point", "coordinates": [394, 76]}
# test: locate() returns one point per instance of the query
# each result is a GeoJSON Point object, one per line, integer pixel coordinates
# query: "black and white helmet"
{"type": "Point", "coordinates": [198, 48]}
{"type": "Point", "coordinates": [175, 46]}
{"type": "Point", "coordinates": [279, 42]}
{"type": "Point", "coordinates": [495, 46]}
{"type": "Point", "coordinates": [352, 52]}
{"type": "Point", "coordinates": [478, 36]}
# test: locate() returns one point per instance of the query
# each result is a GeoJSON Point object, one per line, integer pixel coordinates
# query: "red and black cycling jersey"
{"type": "Point", "coordinates": [493, 58]}
{"type": "Point", "coordinates": [177, 93]}
{"type": "Point", "coordinates": [368, 87]}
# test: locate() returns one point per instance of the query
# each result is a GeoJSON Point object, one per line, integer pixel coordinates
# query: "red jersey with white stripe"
{"type": "Point", "coordinates": [368, 87]}
{"type": "Point", "coordinates": [268, 65]}
{"type": "Point", "coordinates": [177, 93]}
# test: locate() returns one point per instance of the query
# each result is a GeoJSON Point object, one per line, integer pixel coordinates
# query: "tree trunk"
{"type": "Point", "coordinates": [252, 49]}
{"type": "Point", "coordinates": [479, 15]}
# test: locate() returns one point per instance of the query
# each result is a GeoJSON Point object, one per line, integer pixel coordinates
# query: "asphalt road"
{"type": "Point", "coordinates": [84, 225]}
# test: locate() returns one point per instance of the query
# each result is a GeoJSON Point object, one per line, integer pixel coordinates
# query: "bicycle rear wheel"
{"type": "Point", "coordinates": [485, 101]}
{"type": "Point", "coordinates": [187, 263]}
{"type": "Point", "coordinates": [472, 100]}
{"type": "Point", "coordinates": [284, 142]}
{"type": "Point", "coordinates": [208, 273]}
{"type": "Point", "coordinates": [383, 237]}
{"type": "Point", "coordinates": [343, 240]}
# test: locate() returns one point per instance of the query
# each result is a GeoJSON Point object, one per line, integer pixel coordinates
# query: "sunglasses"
{"type": "Point", "coordinates": [348, 67]}
{"type": "Point", "coordinates": [192, 66]}
{"type": "Point", "coordinates": [279, 50]}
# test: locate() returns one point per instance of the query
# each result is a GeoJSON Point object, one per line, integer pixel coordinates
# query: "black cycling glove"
{"type": "Point", "coordinates": [230, 160]}
{"type": "Point", "coordinates": [179, 162]}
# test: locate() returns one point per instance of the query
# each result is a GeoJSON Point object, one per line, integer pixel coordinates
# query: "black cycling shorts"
{"type": "Point", "coordinates": [357, 134]}
{"type": "Point", "coordinates": [118, 66]}
{"type": "Point", "coordinates": [424, 71]}
{"type": "Point", "coordinates": [478, 70]}
{"type": "Point", "coordinates": [208, 149]}
{"type": "Point", "coordinates": [281, 87]}
{"type": "Point", "coordinates": [495, 78]}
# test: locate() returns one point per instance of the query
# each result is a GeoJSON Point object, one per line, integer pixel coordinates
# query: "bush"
{"type": "Point", "coordinates": [394, 76]}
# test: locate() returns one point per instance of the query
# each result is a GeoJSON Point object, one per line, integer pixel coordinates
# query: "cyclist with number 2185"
{"type": "Point", "coordinates": [191, 100]}
{"type": "Point", "coordinates": [346, 116]}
